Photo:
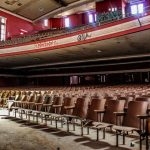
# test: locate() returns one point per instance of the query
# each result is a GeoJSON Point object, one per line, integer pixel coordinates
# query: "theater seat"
{"type": "Point", "coordinates": [131, 120]}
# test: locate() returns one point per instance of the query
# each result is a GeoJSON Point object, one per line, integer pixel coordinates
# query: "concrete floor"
{"type": "Point", "coordinates": [16, 134]}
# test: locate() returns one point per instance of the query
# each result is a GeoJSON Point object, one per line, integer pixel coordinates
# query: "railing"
{"type": "Point", "coordinates": [102, 19]}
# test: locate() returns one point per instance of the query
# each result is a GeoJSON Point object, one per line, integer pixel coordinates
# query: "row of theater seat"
{"type": "Point", "coordinates": [43, 35]}
{"type": "Point", "coordinates": [122, 112]}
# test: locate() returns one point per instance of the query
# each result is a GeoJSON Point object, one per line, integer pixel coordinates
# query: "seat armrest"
{"type": "Point", "coordinates": [143, 116]}
{"type": "Point", "coordinates": [47, 104]}
{"type": "Point", "coordinates": [30, 103]}
{"type": "Point", "coordinates": [56, 106]}
{"type": "Point", "coordinates": [23, 102]}
{"type": "Point", "coordinates": [38, 103]}
{"type": "Point", "coordinates": [69, 107]}
{"type": "Point", "coordinates": [119, 113]}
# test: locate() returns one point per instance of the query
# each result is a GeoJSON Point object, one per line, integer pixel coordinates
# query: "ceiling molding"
{"type": "Point", "coordinates": [62, 9]}
{"type": "Point", "coordinates": [11, 75]}
{"type": "Point", "coordinates": [91, 66]}
{"type": "Point", "coordinates": [89, 73]}
{"type": "Point", "coordinates": [82, 61]}
{"type": "Point", "coordinates": [16, 15]}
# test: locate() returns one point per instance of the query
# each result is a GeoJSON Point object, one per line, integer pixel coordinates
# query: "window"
{"type": "Point", "coordinates": [46, 22]}
{"type": "Point", "coordinates": [113, 9]}
{"type": "Point", "coordinates": [67, 22]}
{"type": "Point", "coordinates": [95, 17]}
{"type": "Point", "coordinates": [91, 18]}
{"type": "Point", "coordinates": [134, 9]}
{"type": "Point", "coordinates": [137, 9]}
{"type": "Point", "coordinates": [2, 28]}
{"type": "Point", "coordinates": [140, 8]}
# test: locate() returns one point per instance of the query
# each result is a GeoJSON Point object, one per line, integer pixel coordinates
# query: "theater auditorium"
{"type": "Point", "coordinates": [74, 74]}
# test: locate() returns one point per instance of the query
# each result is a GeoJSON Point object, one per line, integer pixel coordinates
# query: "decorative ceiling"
{"type": "Point", "coordinates": [36, 9]}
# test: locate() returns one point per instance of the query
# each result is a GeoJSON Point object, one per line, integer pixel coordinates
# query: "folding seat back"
{"type": "Point", "coordinates": [39, 98]}
{"type": "Point", "coordinates": [57, 101]}
{"type": "Point", "coordinates": [108, 98]}
{"type": "Point", "coordinates": [18, 97]}
{"type": "Point", "coordinates": [68, 101]}
{"type": "Point", "coordinates": [135, 108]}
{"type": "Point", "coordinates": [12, 93]}
{"type": "Point", "coordinates": [24, 98]}
{"type": "Point", "coordinates": [113, 106]}
{"type": "Point", "coordinates": [81, 107]}
{"type": "Point", "coordinates": [144, 99]}
{"type": "Point", "coordinates": [31, 101]}
{"type": "Point", "coordinates": [96, 104]}
{"type": "Point", "coordinates": [6, 94]}
{"type": "Point", "coordinates": [48, 99]}
{"type": "Point", "coordinates": [39, 102]}
{"type": "Point", "coordinates": [32, 98]}
{"type": "Point", "coordinates": [126, 99]}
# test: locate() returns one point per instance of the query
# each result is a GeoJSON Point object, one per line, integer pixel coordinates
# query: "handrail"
{"type": "Point", "coordinates": [103, 18]}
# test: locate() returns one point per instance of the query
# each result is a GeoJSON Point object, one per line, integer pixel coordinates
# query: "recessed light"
{"type": "Point", "coordinates": [99, 51]}
{"type": "Point", "coordinates": [41, 9]}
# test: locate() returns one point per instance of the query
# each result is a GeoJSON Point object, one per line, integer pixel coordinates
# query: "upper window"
{"type": "Point", "coordinates": [46, 22]}
{"type": "Point", "coordinates": [2, 28]}
{"type": "Point", "coordinates": [91, 20]}
{"type": "Point", "coordinates": [95, 17]}
{"type": "Point", "coordinates": [140, 8]}
{"type": "Point", "coordinates": [113, 9]}
{"type": "Point", "coordinates": [67, 22]}
{"type": "Point", "coordinates": [137, 9]}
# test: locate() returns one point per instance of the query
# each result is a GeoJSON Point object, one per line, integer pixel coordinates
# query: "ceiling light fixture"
{"type": "Point", "coordinates": [99, 51]}
{"type": "Point", "coordinates": [12, 2]}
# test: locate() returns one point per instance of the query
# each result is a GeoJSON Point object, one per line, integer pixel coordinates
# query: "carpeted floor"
{"type": "Point", "coordinates": [16, 134]}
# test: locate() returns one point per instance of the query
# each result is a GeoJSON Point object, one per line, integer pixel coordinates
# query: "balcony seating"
{"type": "Point", "coordinates": [131, 120]}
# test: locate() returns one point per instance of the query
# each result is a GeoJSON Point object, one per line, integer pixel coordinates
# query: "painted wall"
{"type": "Point", "coordinates": [10, 81]}
{"type": "Point", "coordinates": [75, 20]}
{"type": "Point", "coordinates": [57, 23]}
{"type": "Point", "coordinates": [14, 24]}
{"type": "Point", "coordinates": [104, 6]}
